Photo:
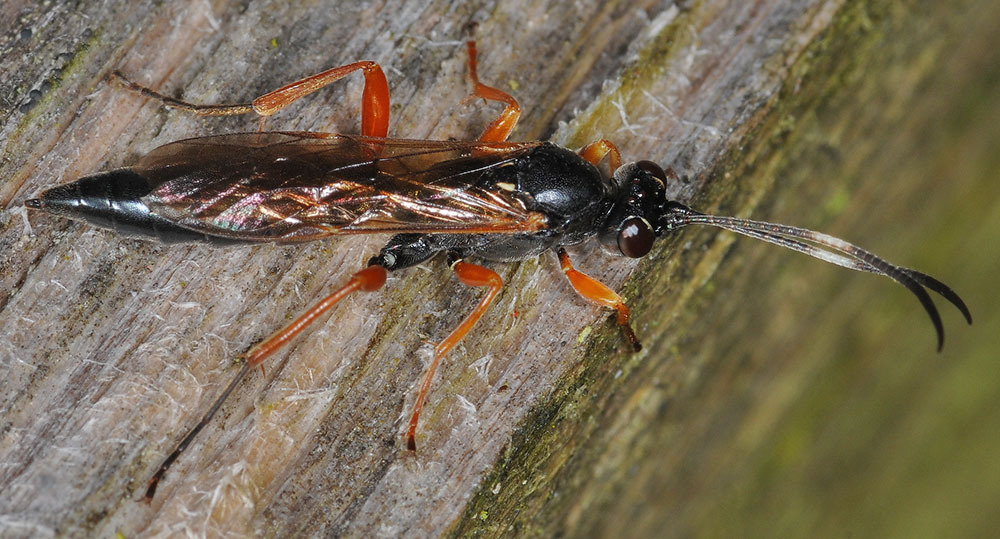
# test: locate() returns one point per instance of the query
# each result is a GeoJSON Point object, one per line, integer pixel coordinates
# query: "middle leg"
{"type": "Point", "coordinates": [471, 275]}
{"type": "Point", "coordinates": [499, 129]}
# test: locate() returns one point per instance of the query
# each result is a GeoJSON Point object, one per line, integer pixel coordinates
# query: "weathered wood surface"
{"type": "Point", "coordinates": [774, 395]}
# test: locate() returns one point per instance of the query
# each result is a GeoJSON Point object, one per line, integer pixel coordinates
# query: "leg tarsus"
{"type": "Point", "coordinates": [154, 482]}
{"type": "Point", "coordinates": [598, 292]}
{"type": "Point", "coordinates": [201, 110]}
{"type": "Point", "coordinates": [369, 279]}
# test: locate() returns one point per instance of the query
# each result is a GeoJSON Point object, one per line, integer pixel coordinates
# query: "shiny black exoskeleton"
{"type": "Point", "coordinates": [281, 180]}
{"type": "Point", "coordinates": [113, 200]}
{"type": "Point", "coordinates": [577, 202]}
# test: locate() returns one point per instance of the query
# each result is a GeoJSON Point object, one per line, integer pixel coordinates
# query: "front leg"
{"type": "Point", "coordinates": [598, 292]}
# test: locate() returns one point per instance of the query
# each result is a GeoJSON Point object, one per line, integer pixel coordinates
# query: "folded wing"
{"type": "Point", "coordinates": [290, 187]}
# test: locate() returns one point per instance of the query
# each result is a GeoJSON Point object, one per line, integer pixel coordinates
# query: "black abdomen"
{"type": "Point", "coordinates": [113, 200]}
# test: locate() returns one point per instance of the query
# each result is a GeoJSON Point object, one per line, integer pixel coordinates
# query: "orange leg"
{"type": "Point", "coordinates": [472, 275]}
{"type": "Point", "coordinates": [369, 279]}
{"type": "Point", "coordinates": [595, 152]}
{"type": "Point", "coordinates": [500, 129]}
{"type": "Point", "coordinates": [598, 292]}
{"type": "Point", "coordinates": [374, 99]}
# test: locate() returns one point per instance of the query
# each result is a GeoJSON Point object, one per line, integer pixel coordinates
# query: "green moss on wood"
{"type": "Point", "coordinates": [554, 476]}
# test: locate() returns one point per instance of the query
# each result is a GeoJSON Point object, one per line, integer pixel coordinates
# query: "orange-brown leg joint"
{"type": "Point", "coordinates": [500, 129]}
{"type": "Point", "coordinates": [369, 279]}
{"type": "Point", "coordinates": [471, 275]}
{"type": "Point", "coordinates": [595, 152]}
{"type": "Point", "coordinates": [374, 99]}
{"type": "Point", "coordinates": [598, 292]}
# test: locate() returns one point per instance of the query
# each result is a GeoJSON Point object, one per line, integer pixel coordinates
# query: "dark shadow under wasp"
{"type": "Point", "coordinates": [487, 199]}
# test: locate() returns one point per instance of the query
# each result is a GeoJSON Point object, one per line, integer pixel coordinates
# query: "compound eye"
{"type": "Point", "coordinates": [635, 237]}
{"type": "Point", "coordinates": [655, 170]}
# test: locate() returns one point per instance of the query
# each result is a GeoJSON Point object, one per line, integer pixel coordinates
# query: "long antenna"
{"type": "Point", "coordinates": [828, 249]}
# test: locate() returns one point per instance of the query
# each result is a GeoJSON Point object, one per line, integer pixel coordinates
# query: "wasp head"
{"type": "Point", "coordinates": [634, 221]}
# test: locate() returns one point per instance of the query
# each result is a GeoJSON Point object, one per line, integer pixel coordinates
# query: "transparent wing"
{"type": "Point", "coordinates": [289, 187]}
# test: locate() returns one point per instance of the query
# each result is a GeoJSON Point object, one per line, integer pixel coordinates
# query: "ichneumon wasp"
{"type": "Point", "coordinates": [487, 199]}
